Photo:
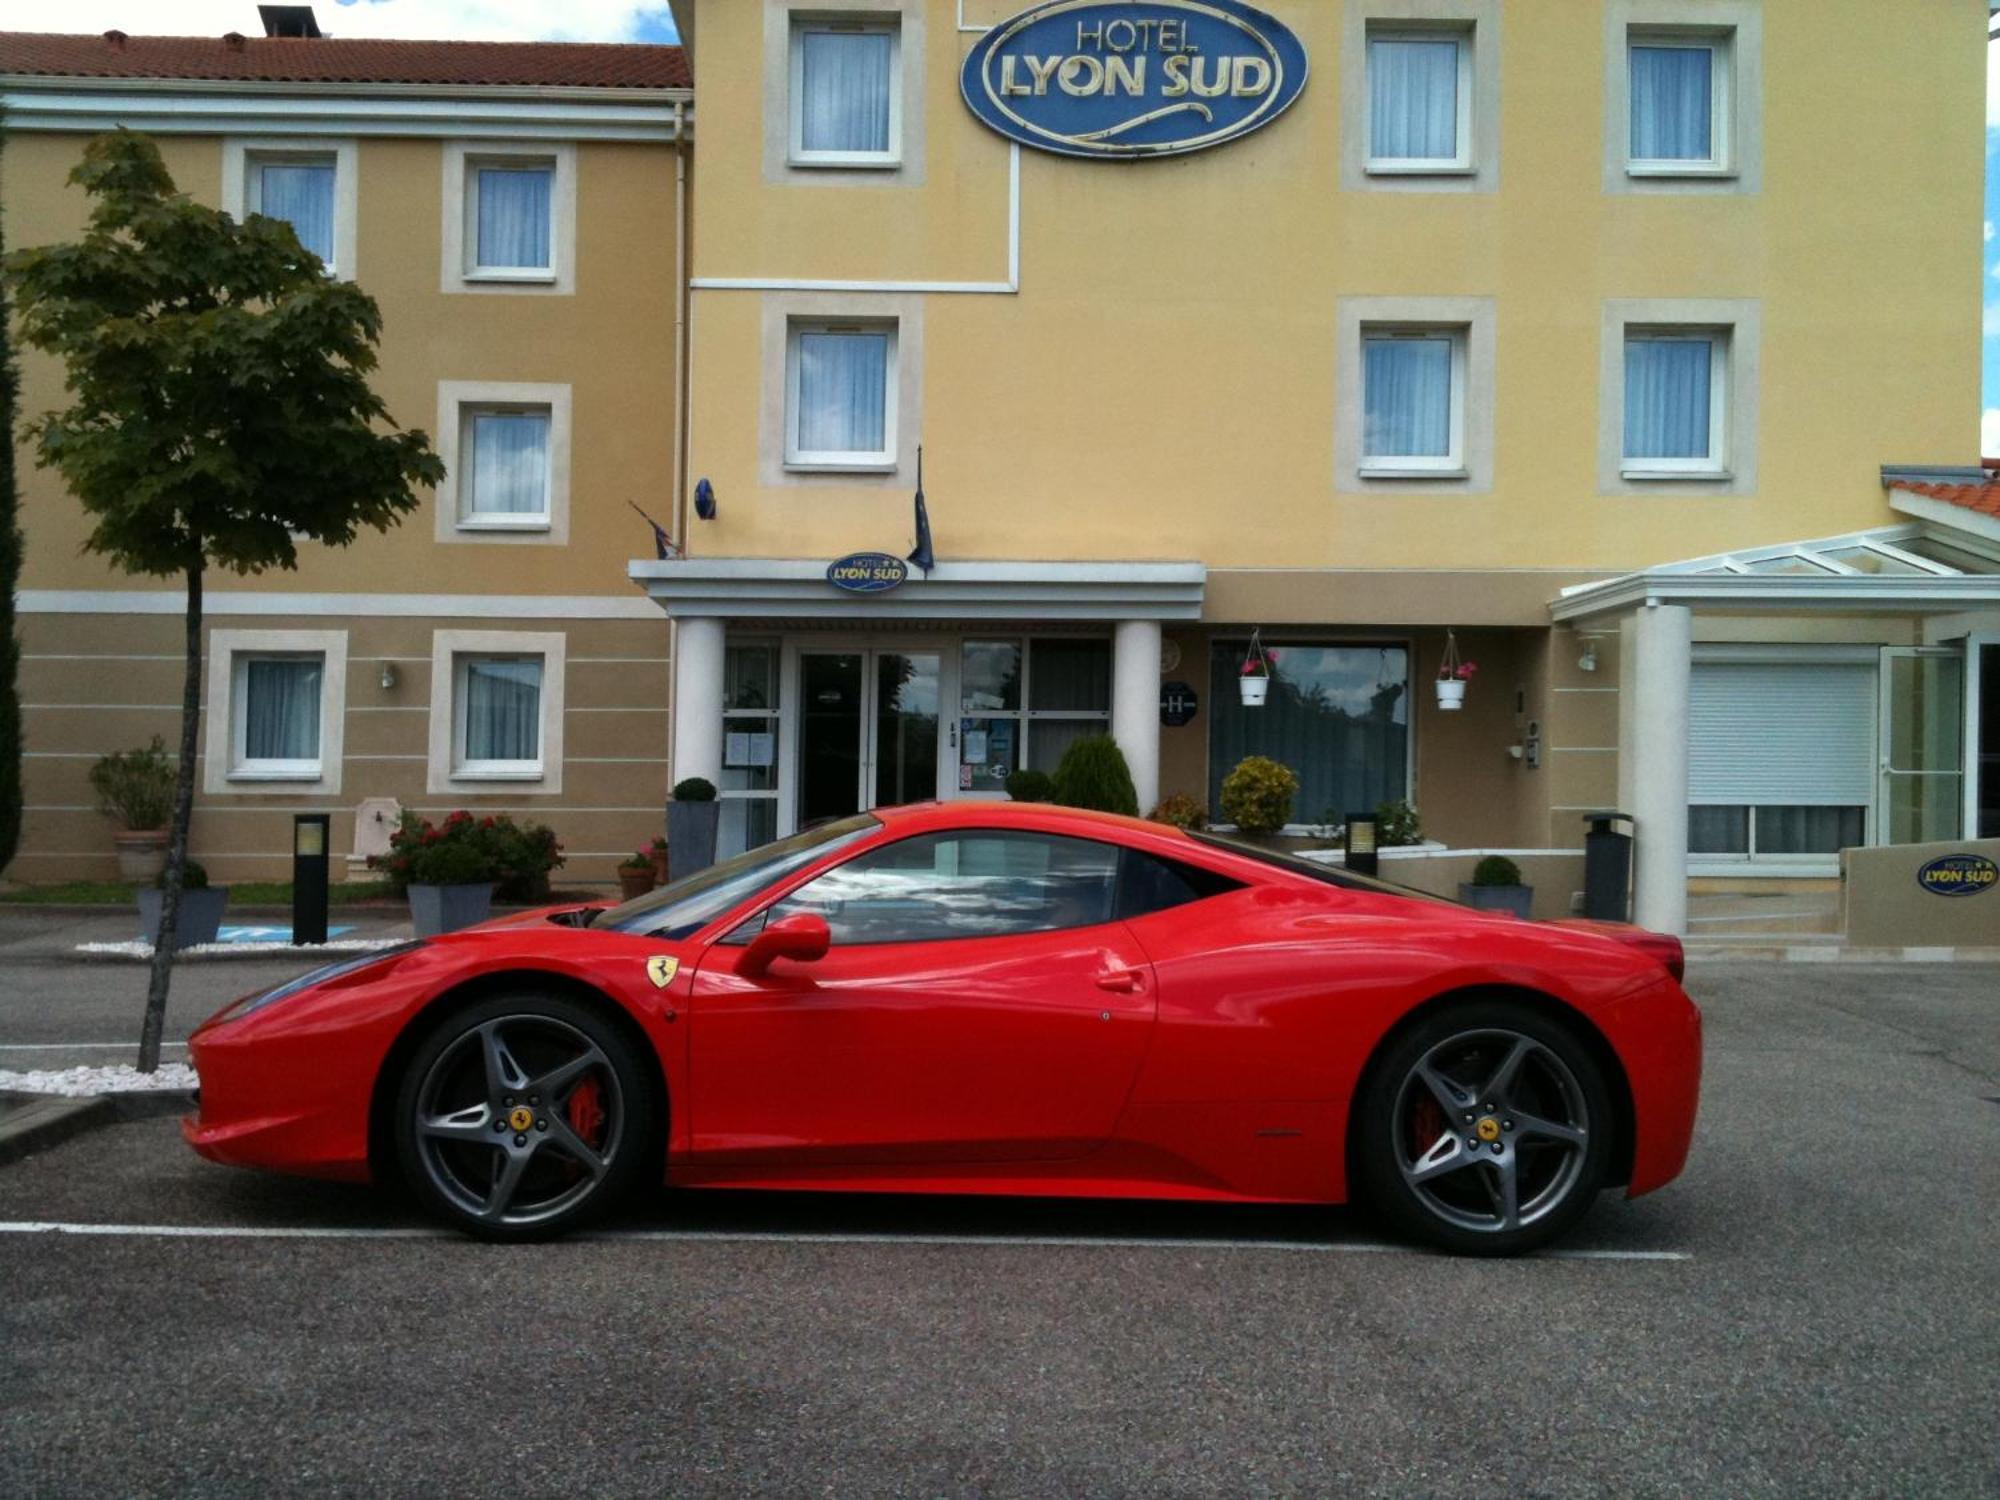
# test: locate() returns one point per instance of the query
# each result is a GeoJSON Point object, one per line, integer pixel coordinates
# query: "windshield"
{"type": "Point", "coordinates": [1313, 870]}
{"type": "Point", "coordinates": [683, 907]}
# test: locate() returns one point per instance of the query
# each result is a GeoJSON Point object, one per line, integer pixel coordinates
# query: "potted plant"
{"type": "Point", "coordinates": [1496, 886]}
{"type": "Point", "coordinates": [136, 787]}
{"type": "Point", "coordinates": [1453, 676]}
{"type": "Point", "coordinates": [202, 905]}
{"type": "Point", "coordinates": [1031, 786]}
{"type": "Point", "coordinates": [449, 870]}
{"type": "Point", "coordinates": [692, 818]}
{"type": "Point", "coordinates": [1092, 773]}
{"type": "Point", "coordinates": [656, 852]}
{"type": "Point", "coordinates": [1179, 811]}
{"type": "Point", "coordinates": [635, 874]}
{"type": "Point", "coordinates": [1397, 825]}
{"type": "Point", "coordinates": [1254, 680]}
{"type": "Point", "coordinates": [1257, 795]}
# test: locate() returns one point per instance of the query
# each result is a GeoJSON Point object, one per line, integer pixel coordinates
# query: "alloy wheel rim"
{"type": "Point", "coordinates": [1491, 1130]}
{"type": "Point", "coordinates": [519, 1119]}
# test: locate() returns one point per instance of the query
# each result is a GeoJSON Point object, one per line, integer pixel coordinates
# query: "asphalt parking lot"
{"type": "Point", "coordinates": [1812, 1309]}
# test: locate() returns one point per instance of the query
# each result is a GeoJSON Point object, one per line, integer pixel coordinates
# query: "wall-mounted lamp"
{"type": "Point", "coordinates": [388, 676]}
{"type": "Point", "coordinates": [1588, 661]}
{"type": "Point", "coordinates": [704, 500]}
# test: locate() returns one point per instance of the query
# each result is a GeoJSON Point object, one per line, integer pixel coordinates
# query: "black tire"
{"type": "Point", "coordinates": [575, 1099]}
{"type": "Point", "coordinates": [1542, 1131]}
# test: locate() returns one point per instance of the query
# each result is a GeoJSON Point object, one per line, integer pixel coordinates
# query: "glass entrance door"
{"type": "Point", "coordinates": [868, 731]}
{"type": "Point", "coordinates": [1923, 757]}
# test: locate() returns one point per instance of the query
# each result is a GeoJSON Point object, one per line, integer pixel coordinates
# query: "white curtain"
{"type": "Point", "coordinates": [1407, 405]}
{"type": "Point", "coordinates": [510, 463]}
{"type": "Point", "coordinates": [1672, 117]}
{"type": "Point", "coordinates": [514, 217]}
{"type": "Point", "coordinates": [844, 104]}
{"type": "Point", "coordinates": [843, 392]}
{"type": "Point", "coordinates": [300, 193]}
{"type": "Point", "coordinates": [1667, 397]}
{"type": "Point", "coordinates": [503, 710]}
{"type": "Point", "coordinates": [281, 708]}
{"type": "Point", "coordinates": [1413, 100]}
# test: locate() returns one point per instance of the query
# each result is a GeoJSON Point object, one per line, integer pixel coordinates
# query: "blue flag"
{"type": "Point", "coordinates": [922, 555]}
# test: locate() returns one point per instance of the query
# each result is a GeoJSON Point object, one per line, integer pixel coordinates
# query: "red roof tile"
{"type": "Point", "coordinates": [1983, 499]}
{"type": "Point", "coordinates": [261, 59]}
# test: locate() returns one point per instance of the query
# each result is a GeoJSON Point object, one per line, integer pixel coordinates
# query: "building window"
{"type": "Point", "coordinates": [504, 467]}
{"type": "Point", "coordinates": [845, 99]}
{"type": "Point", "coordinates": [841, 395]}
{"type": "Point", "coordinates": [1338, 715]}
{"type": "Point", "coordinates": [750, 712]}
{"type": "Point", "coordinates": [509, 218]}
{"type": "Point", "coordinates": [1023, 703]}
{"type": "Point", "coordinates": [1413, 401]}
{"type": "Point", "coordinates": [506, 449]}
{"type": "Point", "coordinates": [276, 704]}
{"type": "Point", "coordinates": [1419, 101]}
{"type": "Point", "coordinates": [1679, 92]}
{"type": "Point", "coordinates": [310, 185]}
{"type": "Point", "coordinates": [1676, 402]}
{"type": "Point", "coordinates": [275, 716]}
{"type": "Point", "coordinates": [496, 708]}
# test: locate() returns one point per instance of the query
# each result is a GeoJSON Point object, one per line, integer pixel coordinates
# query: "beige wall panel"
{"type": "Point", "coordinates": [81, 679]}
{"type": "Point", "coordinates": [397, 732]}
{"type": "Point", "coordinates": [632, 736]}
{"type": "Point", "coordinates": [97, 731]}
{"type": "Point", "coordinates": [1867, 630]}
{"type": "Point", "coordinates": [1394, 597]}
{"type": "Point", "coordinates": [1883, 906]}
{"type": "Point", "coordinates": [144, 640]}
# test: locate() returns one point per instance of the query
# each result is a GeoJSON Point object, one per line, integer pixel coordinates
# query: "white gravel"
{"type": "Point", "coordinates": [217, 950]}
{"type": "Point", "coordinates": [76, 1083]}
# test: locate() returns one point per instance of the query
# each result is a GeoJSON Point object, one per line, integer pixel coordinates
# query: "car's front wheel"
{"type": "Point", "coordinates": [1485, 1129]}
{"type": "Point", "coordinates": [522, 1116]}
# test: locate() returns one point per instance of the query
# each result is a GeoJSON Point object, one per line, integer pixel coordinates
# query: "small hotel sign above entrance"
{"type": "Point", "coordinates": [866, 572]}
{"type": "Point", "coordinates": [1120, 79]}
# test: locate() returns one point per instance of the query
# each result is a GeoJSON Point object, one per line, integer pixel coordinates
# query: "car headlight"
{"type": "Point", "coordinates": [251, 1004]}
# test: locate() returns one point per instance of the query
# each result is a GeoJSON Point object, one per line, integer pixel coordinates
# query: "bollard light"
{"type": "Point", "coordinates": [1361, 843]}
{"type": "Point", "coordinates": [309, 892]}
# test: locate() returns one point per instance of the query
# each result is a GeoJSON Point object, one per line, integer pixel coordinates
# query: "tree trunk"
{"type": "Point", "coordinates": [177, 837]}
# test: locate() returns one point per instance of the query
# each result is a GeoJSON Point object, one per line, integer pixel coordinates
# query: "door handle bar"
{"type": "Point", "coordinates": [1122, 981]}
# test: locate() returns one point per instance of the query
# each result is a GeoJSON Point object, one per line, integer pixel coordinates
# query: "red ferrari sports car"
{"type": "Point", "coordinates": [983, 998]}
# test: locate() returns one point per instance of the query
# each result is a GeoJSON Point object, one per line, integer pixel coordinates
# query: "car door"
{"type": "Point", "coordinates": [979, 1002]}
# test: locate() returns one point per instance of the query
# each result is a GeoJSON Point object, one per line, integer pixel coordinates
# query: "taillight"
{"type": "Point", "coordinates": [1661, 945]}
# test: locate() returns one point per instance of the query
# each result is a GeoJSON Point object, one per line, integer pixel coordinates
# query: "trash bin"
{"type": "Point", "coordinates": [1607, 867]}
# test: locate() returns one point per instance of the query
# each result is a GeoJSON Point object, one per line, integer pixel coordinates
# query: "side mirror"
{"type": "Point", "coordinates": [801, 937]}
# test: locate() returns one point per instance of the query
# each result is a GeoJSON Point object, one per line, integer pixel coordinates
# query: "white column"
{"type": "Point", "coordinates": [698, 699]}
{"type": "Point", "coordinates": [1657, 645]}
{"type": "Point", "coordinates": [1135, 705]}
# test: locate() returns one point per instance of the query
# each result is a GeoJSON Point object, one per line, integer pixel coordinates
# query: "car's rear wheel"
{"type": "Point", "coordinates": [522, 1116]}
{"type": "Point", "coordinates": [1486, 1129]}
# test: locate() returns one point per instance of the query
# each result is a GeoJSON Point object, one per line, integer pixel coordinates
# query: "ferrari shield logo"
{"type": "Point", "coordinates": [661, 968]}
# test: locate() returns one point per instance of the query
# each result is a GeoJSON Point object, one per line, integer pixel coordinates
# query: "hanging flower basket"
{"type": "Point", "coordinates": [1254, 681]}
{"type": "Point", "coordinates": [1453, 676]}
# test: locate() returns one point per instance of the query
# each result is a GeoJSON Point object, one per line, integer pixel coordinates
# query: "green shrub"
{"type": "Point", "coordinates": [1180, 810]}
{"type": "Point", "coordinates": [1031, 786]}
{"type": "Point", "coordinates": [1093, 774]}
{"type": "Point", "coordinates": [462, 850]}
{"type": "Point", "coordinates": [136, 786]}
{"type": "Point", "coordinates": [193, 877]}
{"type": "Point", "coordinates": [635, 862]}
{"type": "Point", "coordinates": [1397, 825]}
{"type": "Point", "coordinates": [1496, 869]}
{"type": "Point", "coordinates": [1257, 795]}
{"type": "Point", "coordinates": [694, 789]}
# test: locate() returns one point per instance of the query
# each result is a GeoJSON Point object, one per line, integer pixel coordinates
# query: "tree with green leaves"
{"type": "Point", "coordinates": [219, 413]}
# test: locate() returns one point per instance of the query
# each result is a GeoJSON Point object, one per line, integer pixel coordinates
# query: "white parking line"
{"type": "Point", "coordinates": [76, 1046]}
{"type": "Point", "coordinates": [781, 1237]}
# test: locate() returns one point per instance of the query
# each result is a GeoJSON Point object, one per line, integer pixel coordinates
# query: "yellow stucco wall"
{"type": "Point", "coordinates": [1164, 383]}
{"type": "Point", "coordinates": [612, 342]}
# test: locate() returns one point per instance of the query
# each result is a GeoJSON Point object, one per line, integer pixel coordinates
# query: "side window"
{"type": "Point", "coordinates": [1148, 883]}
{"type": "Point", "coordinates": [970, 884]}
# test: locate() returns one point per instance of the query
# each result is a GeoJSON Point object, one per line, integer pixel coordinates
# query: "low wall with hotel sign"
{"type": "Point", "coordinates": [1944, 895]}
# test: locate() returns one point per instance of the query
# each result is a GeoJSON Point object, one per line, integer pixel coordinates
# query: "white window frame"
{"type": "Point", "coordinates": [461, 400]}
{"type": "Point", "coordinates": [460, 271]}
{"type": "Point", "coordinates": [449, 771]}
{"type": "Point", "coordinates": [227, 769]}
{"type": "Point", "coordinates": [470, 517]}
{"type": "Point", "coordinates": [1464, 37]}
{"type": "Point", "coordinates": [1721, 92]}
{"type": "Point", "coordinates": [880, 460]}
{"type": "Point", "coordinates": [1419, 466]}
{"type": "Point", "coordinates": [1716, 465]}
{"type": "Point", "coordinates": [796, 153]}
{"type": "Point", "coordinates": [242, 184]}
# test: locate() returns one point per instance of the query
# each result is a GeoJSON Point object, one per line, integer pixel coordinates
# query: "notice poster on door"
{"type": "Point", "coordinates": [975, 747]}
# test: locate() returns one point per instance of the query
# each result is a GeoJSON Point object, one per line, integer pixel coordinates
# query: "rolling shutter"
{"type": "Point", "coordinates": [1792, 734]}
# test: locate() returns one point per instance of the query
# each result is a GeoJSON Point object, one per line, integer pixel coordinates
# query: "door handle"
{"type": "Point", "coordinates": [1122, 981]}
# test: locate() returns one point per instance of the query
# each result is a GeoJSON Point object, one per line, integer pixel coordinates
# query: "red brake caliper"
{"type": "Point", "coordinates": [586, 1113]}
{"type": "Point", "coordinates": [1426, 1125]}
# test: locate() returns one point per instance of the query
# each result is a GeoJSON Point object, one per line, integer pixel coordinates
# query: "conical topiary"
{"type": "Point", "coordinates": [1093, 774]}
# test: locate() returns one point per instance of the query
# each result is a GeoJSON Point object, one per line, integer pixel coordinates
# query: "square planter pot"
{"type": "Point", "coordinates": [1518, 899]}
{"type": "Point", "coordinates": [691, 836]}
{"type": "Point", "coordinates": [142, 854]}
{"type": "Point", "coordinates": [634, 883]}
{"type": "Point", "coordinates": [200, 917]}
{"type": "Point", "coordinates": [446, 908]}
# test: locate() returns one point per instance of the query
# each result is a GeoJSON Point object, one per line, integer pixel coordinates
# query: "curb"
{"type": "Point", "coordinates": [45, 1120]}
{"type": "Point", "coordinates": [1830, 953]}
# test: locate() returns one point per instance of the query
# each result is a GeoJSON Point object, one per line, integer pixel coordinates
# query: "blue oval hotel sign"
{"type": "Point", "coordinates": [1959, 875]}
{"type": "Point", "coordinates": [866, 572]}
{"type": "Point", "coordinates": [1119, 79]}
